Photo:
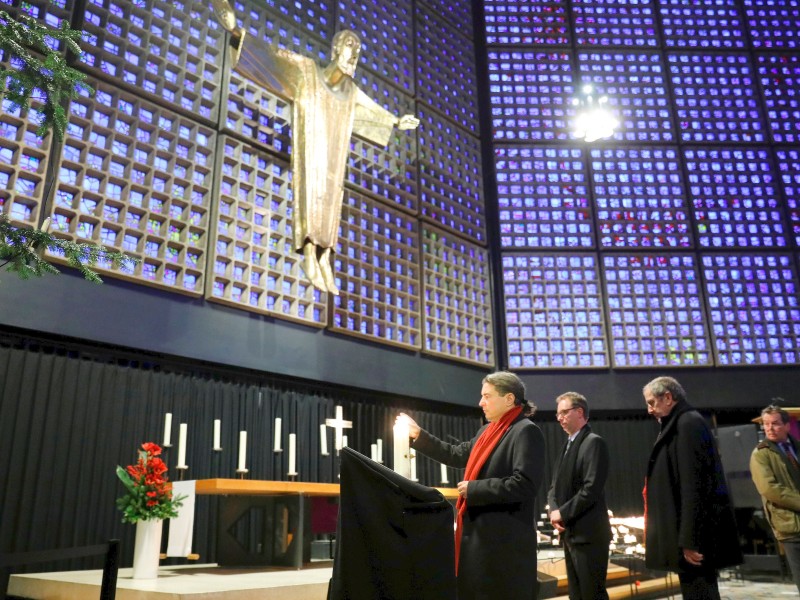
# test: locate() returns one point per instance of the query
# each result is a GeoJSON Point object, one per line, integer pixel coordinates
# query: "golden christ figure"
{"type": "Point", "coordinates": [327, 108]}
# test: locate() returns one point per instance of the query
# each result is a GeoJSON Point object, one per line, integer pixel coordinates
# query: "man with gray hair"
{"type": "Point", "coordinates": [689, 523]}
{"type": "Point", "coordinates": [577, 501]}
{"type": "Point", "coordinates": [776, 474]}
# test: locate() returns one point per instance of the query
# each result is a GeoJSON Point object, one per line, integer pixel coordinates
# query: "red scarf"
{"type": "Point", "coordinates": [480, 453]}
{"type": "Point", "coordinates": [644, 495]}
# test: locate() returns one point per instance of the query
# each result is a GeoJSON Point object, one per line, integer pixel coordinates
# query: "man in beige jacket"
{"type": "Point", "coordinates": [775, 471]}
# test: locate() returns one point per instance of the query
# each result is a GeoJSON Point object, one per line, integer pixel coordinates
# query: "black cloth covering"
{"type": "Point", "coordinates": [394, 538]}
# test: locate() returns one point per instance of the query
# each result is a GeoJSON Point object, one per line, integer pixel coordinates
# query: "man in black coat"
{"type": "Point", "coordinates": [577, 501]}
{"type": "Point", "coordinates": [689, 522]}
{"type": "Point", "coordinates": [497, 557]}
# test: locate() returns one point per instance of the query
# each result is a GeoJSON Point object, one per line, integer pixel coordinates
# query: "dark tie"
{"type": "Point", "coordinates": [789, 452]}
{"type": "Point", "coordinates": [569, 443]}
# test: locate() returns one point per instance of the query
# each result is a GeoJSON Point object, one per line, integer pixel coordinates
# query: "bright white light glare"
{"type": "Point", "coordinates": [595, 123]}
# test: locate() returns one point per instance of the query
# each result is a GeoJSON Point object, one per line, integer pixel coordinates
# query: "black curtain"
{"type": "Point", "coordinates": [69, 415]}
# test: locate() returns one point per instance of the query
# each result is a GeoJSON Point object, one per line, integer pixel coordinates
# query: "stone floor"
{"type": "Point", "coordinates": [309, 584]}
{"type": "Point", "coordinates": [755, 587]}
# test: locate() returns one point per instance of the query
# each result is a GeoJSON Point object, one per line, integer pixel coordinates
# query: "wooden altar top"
{"type": "Point", "coordinates": [254, 487]}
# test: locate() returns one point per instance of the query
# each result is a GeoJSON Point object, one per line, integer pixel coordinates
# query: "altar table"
{"type": "Point", "coordinates": [279, 529]}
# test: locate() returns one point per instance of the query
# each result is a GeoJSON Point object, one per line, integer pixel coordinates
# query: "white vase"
{"type": "Point", "coordinates": [147, 549]}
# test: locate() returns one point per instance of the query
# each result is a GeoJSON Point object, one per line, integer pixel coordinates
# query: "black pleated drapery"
{"type": "Point", "coordinates": [68, 419]}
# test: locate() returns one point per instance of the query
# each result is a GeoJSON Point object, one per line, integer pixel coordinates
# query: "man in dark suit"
{"type": "Point", "coordinates": [577, 501]}
{"type": "Point", "coordinates": [689, 522]}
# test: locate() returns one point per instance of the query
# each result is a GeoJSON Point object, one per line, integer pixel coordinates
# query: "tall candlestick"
{"type": "Point", "coordinates": [380, 450]}
{"type": "Point", "coordinates": [167, 430]}
{"type": "Point", "coordinates": [323, 440]}
{"type": "Point", "coordinates": [373, 452]}
{"type": "Point", "coordinates": [242, 450]}
{"type": "Point", "coordinates": [413, 462]}
{"type": "Point", "coordinates": [339, 419]}
{"type": "Point", "coordinates": [276, 447]}
{"type": "Point", "coordinates": [344, 441]}
{"type": "Point", "coordinates": [444, 474]}
{"type": "Point", "coordinates": [402, 459]}
{"type": "Point", "coordinates": [292, 454]}
{"type": "Point", "coordinates": [217, 434]}
{"type": "Point", "coordinates": [182, 446]}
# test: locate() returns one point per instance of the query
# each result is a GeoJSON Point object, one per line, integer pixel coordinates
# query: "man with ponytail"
{"type": "Point", "coordinates": [496, 507]}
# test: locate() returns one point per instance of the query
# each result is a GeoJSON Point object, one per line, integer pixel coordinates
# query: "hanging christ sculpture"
{"type": "Point", "coordinates": [327, 108]}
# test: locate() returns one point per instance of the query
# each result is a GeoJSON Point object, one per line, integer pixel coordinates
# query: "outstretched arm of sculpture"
{"type": "Point", "coordinates": [225, 15]}
{"type": "Point", "coordinates": [375, 123]}
{"type": "Point", "coordinates": [270, 67]}
{"type": "Point", "coordinates": [407, 122]}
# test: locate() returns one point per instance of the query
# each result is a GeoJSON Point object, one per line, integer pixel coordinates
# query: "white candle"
{"type": "Point", "coordinates": [323, 439]}
{"type": "Point", "coordinates": [444, 474]}
{"type": "Point", "coordinates": [292, 454]}
{"type": "Point", "coordinates": [344, 441]}
{"type": "Point", "coordinates": [402, 462]}
{"type": "Point", "coordinates": [339, 418]}
{"type": "Point", "coordinates": [182, 445]}
{"type": "Point", "coordinates": [373, 451]}
{"type": "Point", "coordinates": [217, 434]}
{"type": "Point", "coordinates": [242, 449]}
{"type": "Point", "coordinates": [380, 450]}
{"type": "Point", "coordinates": [167, 430]}
{"type": "Point", "coordinates": [277, 433]}
{"type": "Point", "coordinates": [413, 462]}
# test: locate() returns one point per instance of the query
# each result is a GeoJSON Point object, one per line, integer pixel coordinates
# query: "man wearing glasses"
{"type": "Point", "coordinates": [577, 501]}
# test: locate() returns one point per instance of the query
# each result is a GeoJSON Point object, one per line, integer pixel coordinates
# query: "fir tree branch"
{"type": "Point", "coordinates": [21, 252]}
{"type": "Point", "coordinates": [51, 77]}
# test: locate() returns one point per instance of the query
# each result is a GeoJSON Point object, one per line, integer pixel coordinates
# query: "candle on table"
{"type": "Point", "coordinates": [323, 439]}
{"type": "Point", "coordinates": [413, 461]}
{"type": "Point", "coordinates": [344, 441]}
{"type": "Point", "coordinates": [242, 450]}
{"type": "Point", "coordinates": [182, 445]}
{"type": "Point", "coordinates": [339, 430]}
{"type": "Point", "coordinates": [217, 434]}
{"type": "Point", "coordinates": [292, 454]}
{"type": "Point", "coordinates": [402, 462]}
{"type": "Point", "coordinates": [277, 433]}
{"type": "Point", "coordinates": [380, 450]}
{"type": "Point", "coordinates": [167, 430]}
{"type": "Point", "coordinates": [373, 451]}
{"type": "Point", "coordinates": [444, 474]}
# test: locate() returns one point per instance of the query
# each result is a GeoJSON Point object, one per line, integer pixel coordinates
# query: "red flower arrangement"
{"type": "Point", "coordinates": [149, 493]}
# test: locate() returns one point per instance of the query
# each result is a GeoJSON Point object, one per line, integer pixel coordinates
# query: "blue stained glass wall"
{"type": "Point", "coordinates": [689, 214]}
{"type": "Point", "coordinates": [186, 164]}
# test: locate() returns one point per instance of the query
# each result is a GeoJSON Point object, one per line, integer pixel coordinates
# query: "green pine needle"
{"type": "Point", "coordinates": [21, 252]}
{"type": "Point", "coordinates": [49, 81]}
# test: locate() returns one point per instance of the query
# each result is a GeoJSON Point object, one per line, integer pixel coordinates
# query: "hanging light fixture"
{"type": "Point", "coordinates": [593, 120]}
